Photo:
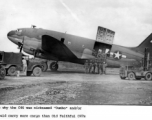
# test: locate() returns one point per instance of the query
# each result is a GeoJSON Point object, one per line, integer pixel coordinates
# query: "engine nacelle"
{"type": "Point", "coordinates": [31, 44]}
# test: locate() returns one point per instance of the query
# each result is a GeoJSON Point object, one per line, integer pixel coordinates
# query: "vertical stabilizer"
{"type": "Point", "coordinates": [147, 43]}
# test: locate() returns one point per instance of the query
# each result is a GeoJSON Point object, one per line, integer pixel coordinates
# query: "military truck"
{"type": "Point", "coordinates": [43, 63]}
{"type": "Point", "coordinates": [10, 62]}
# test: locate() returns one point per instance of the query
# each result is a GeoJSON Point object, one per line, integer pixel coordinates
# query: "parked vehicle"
{"type": "Point", "coordinates": [34, 68]}
{"type": "Point", "coordinates": [145, 71]}
{"type": "Point", "coordinates": [10, 62]}
{"type": "Point", "coordinates": [137, 74]}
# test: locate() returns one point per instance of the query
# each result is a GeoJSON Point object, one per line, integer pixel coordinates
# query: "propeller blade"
{"type": "Point", "coordinates": [21, 47]}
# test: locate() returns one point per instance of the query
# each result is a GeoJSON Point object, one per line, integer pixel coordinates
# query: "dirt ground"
{"type": "Point", "coordinates": [76, 88]}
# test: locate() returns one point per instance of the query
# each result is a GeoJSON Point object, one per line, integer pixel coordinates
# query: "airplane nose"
{"type": "Point", "coordinates": [11, 33]}
{"type": "Point", "coordinates": [12, 37]}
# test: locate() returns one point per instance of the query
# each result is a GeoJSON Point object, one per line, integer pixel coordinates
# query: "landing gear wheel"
{"type": "Point", "coordinates": [131, 76]}
{"type": "Point", "coordinates": [12, 71]}
{"type": "Point", "coordinates": [2, 73]}
{"type": "Point", "coordinates": [44, 66]}
{"type": "Point", "coordinates": [148, 76]}
{"type": "Point", "coordinates": [54, 66]}
{"type": "Point", "coordinates": [37, 71]}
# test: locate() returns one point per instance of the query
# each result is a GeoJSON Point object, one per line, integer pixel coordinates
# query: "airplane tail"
{"type": "Point", "coordinates": [147, 43]}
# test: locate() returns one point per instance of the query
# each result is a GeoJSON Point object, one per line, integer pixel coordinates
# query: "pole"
{"type": "Point", "coordinates": [148, 61]}
{"type": "Point", "coordinates": [145, 60]}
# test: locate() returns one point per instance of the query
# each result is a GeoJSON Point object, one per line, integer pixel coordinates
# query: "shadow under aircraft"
{"type": "Point", "coordinates": [57, 46]}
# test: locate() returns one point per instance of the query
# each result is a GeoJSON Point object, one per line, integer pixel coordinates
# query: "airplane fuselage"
{"type": "Point", "coordinates": [81, 47]}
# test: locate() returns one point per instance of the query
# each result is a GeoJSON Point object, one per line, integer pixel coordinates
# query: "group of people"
{"type": "Point", "coordinates": [95, 66]}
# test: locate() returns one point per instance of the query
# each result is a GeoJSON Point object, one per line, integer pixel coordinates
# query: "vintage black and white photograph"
{"type": "Point", "coordinates": [76, 52]}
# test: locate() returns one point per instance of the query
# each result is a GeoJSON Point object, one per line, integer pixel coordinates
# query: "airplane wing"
{"type": "Point", "coordinates": [57, 48]}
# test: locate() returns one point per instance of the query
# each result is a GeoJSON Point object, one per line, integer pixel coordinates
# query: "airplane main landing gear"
{"type": "Point", "coordinates": [54, 66]}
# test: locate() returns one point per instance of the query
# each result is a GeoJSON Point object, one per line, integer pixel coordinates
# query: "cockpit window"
{"type": "Point", "coordinates": [18, 31]}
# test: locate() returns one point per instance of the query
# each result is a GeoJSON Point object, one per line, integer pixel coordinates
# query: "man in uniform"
{"type": "Point", "coordinates": [90, 66]}
{"type": "Point", "coordinates": [18, 69]}
{"type": "Point", "coordinates": [86, 65]}
{"type": "Point", "coordinates": [93, 66]}
{"type": "Point", "coordinates": [96, 66]}
{"type": "Point", "coordinates": [104, 67]}
{"type": "Point", "coordinates": [24, 61]}
{"type": "Point", "coordinates": [99, 55]}
{"type": "Point", "coordinates": [100, 67]}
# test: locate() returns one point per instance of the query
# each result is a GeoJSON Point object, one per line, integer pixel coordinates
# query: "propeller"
{"type": "Point", "coordinates": [20, 46]}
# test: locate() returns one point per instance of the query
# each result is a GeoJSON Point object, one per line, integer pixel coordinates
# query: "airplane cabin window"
{"type": "Point", "coordinates": [18, 30]}
{"type": "Point", "coordinates": [69, 43]}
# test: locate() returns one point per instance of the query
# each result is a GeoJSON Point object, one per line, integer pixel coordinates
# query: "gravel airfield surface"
{"type": "Point", "coordinates": [74, 88]}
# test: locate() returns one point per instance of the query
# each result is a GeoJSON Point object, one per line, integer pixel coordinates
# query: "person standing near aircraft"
{"type": "Point", "coordinates": [93, 66]}
{"type": "Point", "coordinates": [96, 66]}
{"type": "Point", "coordinates": [99, 55]}
{"type": "Point", "coordinates": [100, 67]}
{"type": "Point", "coordinates": [18, 69]}
{"type": "Point", "coordinates": [104, 67]}
{"type": "Point", "coordinates": [24, 61]}
{"type": "Point", "coordinates": [90, 66]}
{"type": "Point", "coordinates": [86, 66]}
{"type": "Point", "coordinates": [104, 55]}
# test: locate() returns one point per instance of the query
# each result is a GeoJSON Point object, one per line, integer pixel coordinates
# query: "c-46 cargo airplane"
{"type": "Point", "coordinates": [57, 46]}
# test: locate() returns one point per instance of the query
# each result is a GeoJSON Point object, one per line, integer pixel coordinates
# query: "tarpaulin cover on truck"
{"type": "Point", "coordinates": [11, 58]}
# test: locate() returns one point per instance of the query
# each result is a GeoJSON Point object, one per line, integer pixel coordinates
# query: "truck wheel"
{"type": "Point", "coordinates": [131, 76]}
{"type": "Point", "coordinates": [44, 67]}
{"type": "Point", "coordinates": [37, 71]}
{"type": "Point", "coordinates": [29, 73]}
{"type": "Point", "coordinates": [148, 76]}
{"type": "Point", "coordinates": [2, 73]}
{"type": "Point", "coordinates": [12, 71]}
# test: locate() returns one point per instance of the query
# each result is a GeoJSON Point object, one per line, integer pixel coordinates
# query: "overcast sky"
{"type": "Point", "coordinates": [130, 19]}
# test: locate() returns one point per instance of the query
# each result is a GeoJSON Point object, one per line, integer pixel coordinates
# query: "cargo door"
{"type": "Point", "coordinates": [104, 40]}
